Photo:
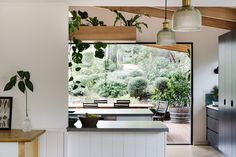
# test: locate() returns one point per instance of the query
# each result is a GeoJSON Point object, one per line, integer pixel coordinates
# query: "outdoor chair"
{"type": "Point", "coordinates": [90, 105]}
{"type": "Point", "coordinates": [100, 101]}
{"type": "Point", "coordinates": [123, 101]}
{"type": "Point", "coordinates": [121, 105]}
{"type": "Point", "coordinates": [161, 110]}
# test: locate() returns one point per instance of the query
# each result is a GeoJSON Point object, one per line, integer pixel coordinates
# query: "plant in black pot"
{"type": "Point", "coordinates": [89, 120]}
{"type": "Point", "coordinates": [215, 96]}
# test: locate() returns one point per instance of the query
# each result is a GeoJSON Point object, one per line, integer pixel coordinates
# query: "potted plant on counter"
{"type": "Point", "coordinates": [89, 120]}
{"type": "Point", "coordinates": [22, 79]}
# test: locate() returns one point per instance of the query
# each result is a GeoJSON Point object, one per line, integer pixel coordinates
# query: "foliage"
{"type": "Point", "coordinates": [23, 80]}
{"type": "Point", "coordinates": [136, 73]}
{"type": "Point", "coordinates": [77, 47]}
{"type": "Point", "coordinates": [76, 91]}
{"type": "Point", "coordinates": [112, 89]}
{"type": "Point", "coordinates": [95, 22]}
{"type": "Point", "coordinates": [133, 21]}
{"type": "Point", "coordinates": [76, 58]}
{"type": "Point", "coordinates": [24, 83]}
{"type": "Point", "coordinates": [133, 100]}
{"type": "Point", "coordinates": [110, 66]}
{"type": "Point", "coordinates": [75, 22]}
{"type": "Point", "coordinates": [90, 80]}
{"type": "Point", "coordinates": [215, 92]}
{"type": "Point", "coordinates": [137, 86]}
{"type": "Point", "coordinates": [91, 116]}
{"type": "Point", "coordinates": [177, 92]}
{"type": "Point", "coordinates": [161, 83]}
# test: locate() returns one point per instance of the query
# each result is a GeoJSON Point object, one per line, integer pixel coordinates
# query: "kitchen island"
{"type": "Point", "coordinates": [118, 139]}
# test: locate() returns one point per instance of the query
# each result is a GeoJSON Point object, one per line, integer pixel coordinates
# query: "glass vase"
{"type": "Point", "coordinates": [26, 127]}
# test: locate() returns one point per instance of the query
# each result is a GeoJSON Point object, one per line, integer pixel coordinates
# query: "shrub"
{"type": "Point", "coordinates": [112, 89]}
{"type": "Point", "coordinates": [90, 80]}
{"type": "Point", "coordinates": [76, 92]}
{"type": "Point", "coordinates": [133, 100]}
{"type": "Point", "coordinates": [136, 73]}
{"type": "Point", "coordinates": [161, 83]}
{"type": "Point", "coordinates": [177, 93]}
{"type": "Point", "coordinates": [137, 86]}
{"type": "Point", "coordinates": [110, 66]}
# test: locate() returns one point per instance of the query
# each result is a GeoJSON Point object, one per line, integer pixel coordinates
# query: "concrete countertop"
{"type": "Point", "coordinates": [110, 112]}
{"type": "Point", "coordinates": [123, 126]}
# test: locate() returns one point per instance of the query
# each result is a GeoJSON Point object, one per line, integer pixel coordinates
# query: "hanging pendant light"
{"type": "Point", "coordinates": [187, 18]}
{"type": "Point", "coordinates": [166, 36]}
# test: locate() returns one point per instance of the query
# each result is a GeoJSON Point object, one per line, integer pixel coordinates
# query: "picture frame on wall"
{"type": "Point", "coordinates": [5, 113]}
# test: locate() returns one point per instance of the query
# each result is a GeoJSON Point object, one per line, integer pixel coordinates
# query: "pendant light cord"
{"type": "Point", "coordinates": [165, 9]}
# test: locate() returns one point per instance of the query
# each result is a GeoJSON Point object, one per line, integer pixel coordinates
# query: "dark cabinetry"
{"type": "Point", "coordinates": [227, 94]}
{"type": "Point", "coordinates": [212, 127]}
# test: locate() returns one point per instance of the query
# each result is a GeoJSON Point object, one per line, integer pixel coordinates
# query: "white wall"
{"type": "Point", "coordinates": [34, 38]}
{"type": "Point", "coordinates": [205, 60]}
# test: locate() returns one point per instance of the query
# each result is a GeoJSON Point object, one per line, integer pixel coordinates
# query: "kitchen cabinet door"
{"type": "Point", "coordinates": [233, 113]}
{"type": "Point", "coordinates": [222, 97]}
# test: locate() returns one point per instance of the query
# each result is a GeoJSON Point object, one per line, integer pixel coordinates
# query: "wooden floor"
{"type": "Point", "coordinates": [191, 151]}
{"type": "Point", "coordinates": [178, 133]}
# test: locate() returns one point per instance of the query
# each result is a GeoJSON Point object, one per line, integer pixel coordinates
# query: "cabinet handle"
{"type": "Point", "coordinates": [224, 101]}
{"type": "Point", "coordinates": [232, 103]}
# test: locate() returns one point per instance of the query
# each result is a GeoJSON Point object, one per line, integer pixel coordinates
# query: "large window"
{"type": "Point", "coordinates": [141, 73]}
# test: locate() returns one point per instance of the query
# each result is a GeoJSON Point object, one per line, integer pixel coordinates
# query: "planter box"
{"type": "Point", "coordinates": [180, 115]}
{"type": "Point", "coordinates": [105, 33]}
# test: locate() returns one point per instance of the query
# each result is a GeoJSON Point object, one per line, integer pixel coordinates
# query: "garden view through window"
{"type": "Point", "coordinates": [140, 73]}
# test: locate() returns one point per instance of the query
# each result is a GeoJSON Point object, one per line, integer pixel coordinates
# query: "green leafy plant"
{"type": "Point", "coordinates": [75, 22]}
{"type": "Point", "coordinates": [78, 18]}
{"type": "Point", "coordinates": [136, 73]}
{"type": "Point", "coordinates": [133, 21]}
{"type": "Point", "coordinates": [137, 86]}
{"type": "Point", "coordinates": [177, 93]}
{"type": "Point", "coordinates": [95, 22]}
{"type": "Point", "coordinates": [91, 116]}
{"type": "Point", "coordinates": [215, 92]}
{"type": "Point", "coordinates": [22, 79]}
{"type": "Point", "coordinates": [161, 83]}
{"type": "Point", "coordinates": [112, 89]}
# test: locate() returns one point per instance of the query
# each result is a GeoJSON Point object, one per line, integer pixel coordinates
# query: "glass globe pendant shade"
{"type": "Point", "coordinates": [187, 18]}
{"type": "Point", "coordinates": [166, 36]}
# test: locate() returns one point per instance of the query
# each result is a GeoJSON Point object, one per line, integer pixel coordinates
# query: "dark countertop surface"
{"type": "Point", "coordinates": [123, 126]}
{"type": "Point", "coordinates": [116, 112]}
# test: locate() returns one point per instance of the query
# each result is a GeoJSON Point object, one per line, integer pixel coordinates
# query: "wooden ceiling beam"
{"type": "Point", "coordinates": [177, 47]}
{"type": "Point", "coordinates": [216, 22]}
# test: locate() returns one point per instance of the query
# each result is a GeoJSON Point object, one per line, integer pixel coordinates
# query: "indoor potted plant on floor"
{"type": "Point", "coordinates": [22, 78]}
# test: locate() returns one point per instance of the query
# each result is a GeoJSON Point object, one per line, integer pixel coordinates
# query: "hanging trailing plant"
{"type": "Point", "coordinates": [133, 21]}
{"type": "Point", "coordinates": [77, 47]}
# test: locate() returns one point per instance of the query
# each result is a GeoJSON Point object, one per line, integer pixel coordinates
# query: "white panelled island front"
{"type": "Point", "coordinates": [118, 139]}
